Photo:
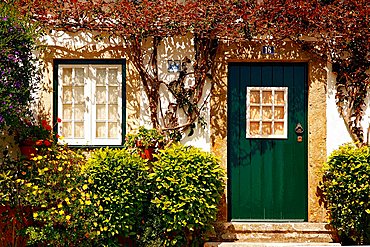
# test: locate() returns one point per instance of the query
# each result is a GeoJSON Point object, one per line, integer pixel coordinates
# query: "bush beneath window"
{"type": "Point", "coordinates": [186, 187]}
{"type": "Point", "coordinates": [116, 193]}
{"type": "Point", "coordinates": [54, 188]}
{"type": "Point", "coordinates": [346, 190]}
{"type": "Point", "coordinates": [116, 181]}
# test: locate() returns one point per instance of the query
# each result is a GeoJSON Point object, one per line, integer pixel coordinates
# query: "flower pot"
{"type": "Point", "coordinates": [139, 144]}
{"type": "Point", "coordinates": [147, 153]}
{"type": "Point", "coordinates": [27, 148]}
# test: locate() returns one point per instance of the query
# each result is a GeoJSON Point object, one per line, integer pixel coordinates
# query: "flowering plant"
{"type": "Point", "coordinates": [19, 75]}
{"type": "Point", "coordinates": [55, 189]}
{"type": "Point", "coordinates": [145, 138]}
{"type": "Point", "coordinates": [34, 136]}
{"type": "Point", "coordinates": [34, 132]}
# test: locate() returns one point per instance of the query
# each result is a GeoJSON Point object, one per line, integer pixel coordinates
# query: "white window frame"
{"type": "Point", "coordinates": [261, 105]}
{"type": "Point", "coordinates": [90, 82]}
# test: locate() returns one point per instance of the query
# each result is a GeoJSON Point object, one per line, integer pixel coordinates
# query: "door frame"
{"type": "Point", "coordinates": [306, 165]}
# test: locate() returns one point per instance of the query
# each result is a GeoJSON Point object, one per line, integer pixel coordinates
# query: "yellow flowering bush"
{"type": "Point", "coordinates": [55, 190]}
{"type": "Point", "coordinates": [116, 181]}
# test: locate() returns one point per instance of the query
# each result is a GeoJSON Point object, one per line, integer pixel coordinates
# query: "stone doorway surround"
{"type": "Point", "coordinates": [317, 79]}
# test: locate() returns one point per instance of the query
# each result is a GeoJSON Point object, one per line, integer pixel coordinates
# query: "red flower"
{"type": "Point", "coordinates": [59, 120]}
{"type": "Point", "coordinates": [47, 143]}
{"type": "Point", "coordinates": [44, 123]}
{"type": "Point", "coordinates": [47, 127]}
{"type": "Point", "coordinates": [39, 142]}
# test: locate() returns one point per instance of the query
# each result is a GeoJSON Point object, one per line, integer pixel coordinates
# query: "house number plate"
{"type": "Point", "coordinates": [268, 49]}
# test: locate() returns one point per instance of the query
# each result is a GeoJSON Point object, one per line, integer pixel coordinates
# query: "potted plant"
{"type": "Point", "coordinates": [32, 135]}
{"type": "Point", "coordinates": [145, 141]}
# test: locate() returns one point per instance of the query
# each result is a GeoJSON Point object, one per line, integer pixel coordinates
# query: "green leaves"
{"type": "Point", "coordinates": [18, 71]}
{"type": "Point", "coordinates": [118, 179]}
{"type": "Point", "coordinates": [169, 202]}
{"type": "Point", "coordinates": [187, 185]}
{"type": "Point", "coordinates": [57, 195]}
{"type": "Point", "coordinates": [346, 189]}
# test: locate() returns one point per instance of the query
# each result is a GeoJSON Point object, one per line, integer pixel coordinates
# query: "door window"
{"type": "Point", "coordinates": [267, 109]}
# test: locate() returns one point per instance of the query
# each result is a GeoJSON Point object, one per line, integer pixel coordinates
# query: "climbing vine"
{"type": "Point", "coordinates": [340, 32]}
{"type": "Point", "coordinates": [335, 30]}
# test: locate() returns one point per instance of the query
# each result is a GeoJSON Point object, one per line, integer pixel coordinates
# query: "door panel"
{"type": "Point", "coordinates": [267, 176]}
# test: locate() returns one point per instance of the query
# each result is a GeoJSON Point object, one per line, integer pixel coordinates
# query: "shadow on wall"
{"type": "Point", "coordinates": [178, 50]}
{"type": "Point", "coordinates": [63, 45]}
{"type": "Point", "coordinates": [171, 50]}
{"type": "Point", "coordinates": [251, 52]}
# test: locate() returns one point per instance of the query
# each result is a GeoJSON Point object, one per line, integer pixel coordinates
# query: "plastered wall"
{"type": "Point", "coordinates": [64, 45]}
{"type": "Point", "coordinates": [326, 130]}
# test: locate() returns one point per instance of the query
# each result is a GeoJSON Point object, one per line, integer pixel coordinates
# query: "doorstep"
{"type": "Point", "coordinates": [274, 233]}
{"type": "Point", "coordinates": [251, 244]}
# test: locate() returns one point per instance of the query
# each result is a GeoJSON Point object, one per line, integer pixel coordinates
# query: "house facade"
{"type": "Point", "coordinates": [271, 116]}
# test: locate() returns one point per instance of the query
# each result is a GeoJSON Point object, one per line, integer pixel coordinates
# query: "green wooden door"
{"type": "Point", "coordinates": [267, 163]}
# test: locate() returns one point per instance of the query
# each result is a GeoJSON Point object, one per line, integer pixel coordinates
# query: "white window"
{"type": "Point", "coordinates": [89, 102]}
{"type": "Point", "coordinates": [267, 110]}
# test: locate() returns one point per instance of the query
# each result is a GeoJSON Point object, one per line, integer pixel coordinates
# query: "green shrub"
{"type": "Point", "coordinates": [346, 190]}
{"type": "Point", "coordinates": [117, 183]}
{"type": "Point", "coordinates": [186, 186]}
{"type": "Point", "coordinates": [53, 187]}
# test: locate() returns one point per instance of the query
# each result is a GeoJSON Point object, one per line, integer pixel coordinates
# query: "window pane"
{"type": "Point", "coordinates": [267, 112]}
{"type": "Point", "coordinates": [266, 128]}
{"type": "Point", "coordinates": [79, 95]}
{"type": "Point", "coordinates": [279, 97]}
{"type": "Point", "coordinates": [113, 95]}
{"type": "Point", "coordinates": [79, 76]}
{"type": "Point", "coordinates": [67, 130]}
{"type": "Point", "coordinates": [255, 112]}
{"type": "Point", "coordinates": [67, 76]}
{"type": "Point", "coordinates": [79, 112]}
{"type": "Point", "coordinates": [255, 97]}
{"type": "Point", "coordinates": [266, 106]}
{"type": "Point", "coordinates": [279, 112]}
{"type": "Point", "coordinates": [100, 76]}
{"type": "Point", "coordinates": [101, 130]}
{"type": "Point", "coordinates": [67, 112]}
{"type": "Point", "coordinates": [89, 96]}
{"type": "Point", "coordinates": [101, 95]}
{"type": "Point", "coordinates": [101, 112]}
{"type": "Point", "coordinates": [79, 130]}
{"type": "Point", "coordinates": [113, 112]}
{"type": "Point", "coordinates": [112, 76]}
{"type": "Point", "coordinates": [279, 128]}
{"type": "Point", "coordinates": [67, 95]}
{"type": "Point", "coordinates": [267, 97]}
{"type": "Point", "coordinates": [112, 130]}
{"type": "Point", "coordinates": [254, 128]}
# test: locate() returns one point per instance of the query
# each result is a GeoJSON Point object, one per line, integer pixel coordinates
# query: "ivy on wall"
{"type": "Point", "coordinates": [338, 32]}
